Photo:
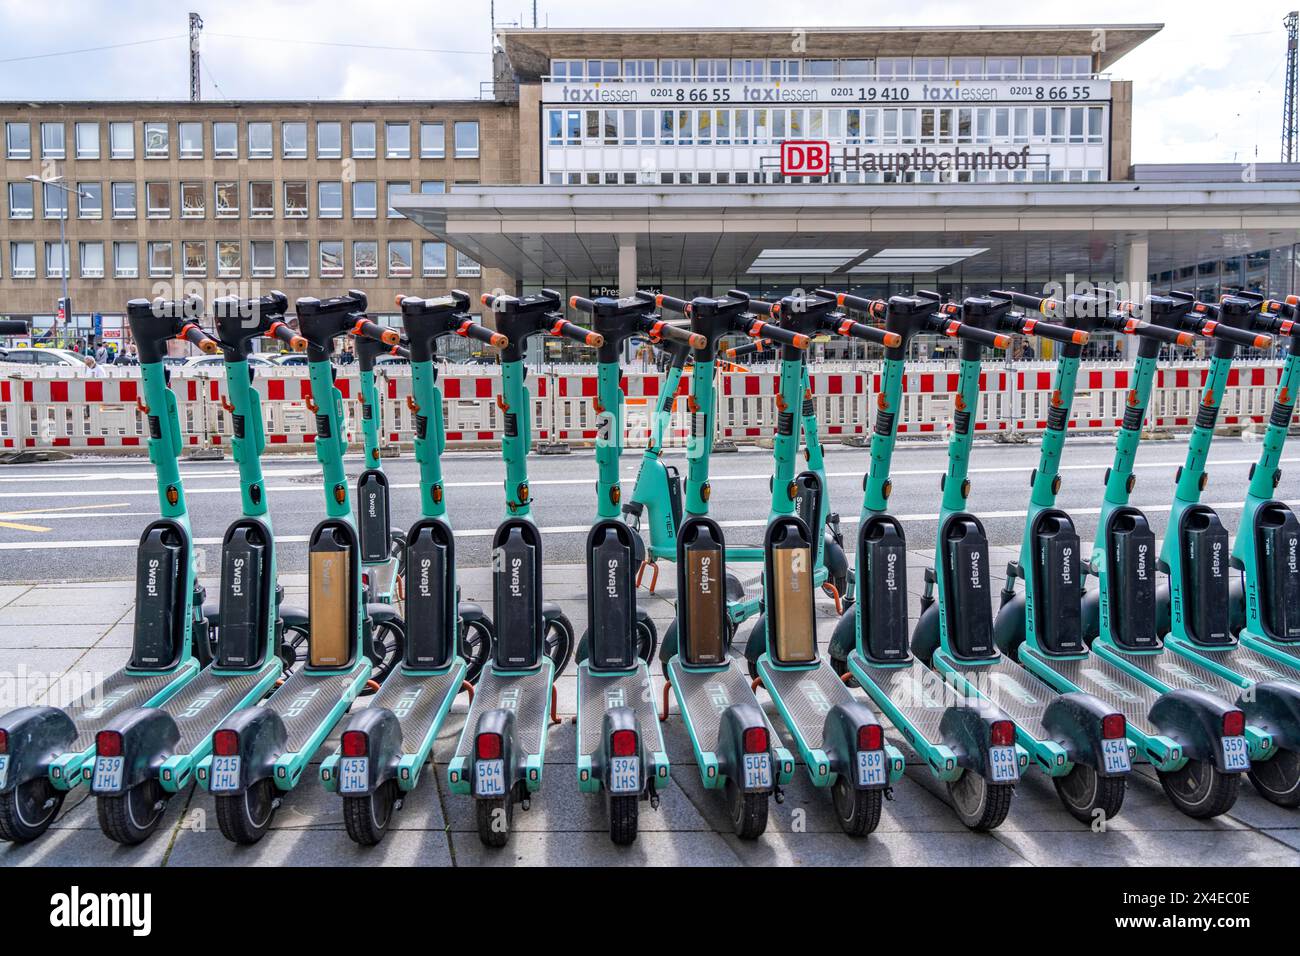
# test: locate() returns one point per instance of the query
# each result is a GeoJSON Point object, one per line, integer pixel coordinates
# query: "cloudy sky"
{"type": "Point", "coordinates": [1208, 88]}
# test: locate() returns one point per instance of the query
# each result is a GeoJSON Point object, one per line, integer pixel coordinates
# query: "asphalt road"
{"type": "Point", "coordinates": [80, 519]}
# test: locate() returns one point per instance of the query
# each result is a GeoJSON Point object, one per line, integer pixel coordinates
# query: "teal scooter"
{"type": "Point", "coordinates": [260, 753]}
{"type": "Point", "coordinates": [46, 751]}
{"type": "Point", "coordinates": [147, 754]}
{"type": "Point", "coordinates": [386, 745]}
{"type": "Point", "coordinates": [621, 750]}
{"type": "Point", "coordinates": [501, 753]}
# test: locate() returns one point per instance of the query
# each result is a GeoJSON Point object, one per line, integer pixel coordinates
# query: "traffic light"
{"type": "Point", "coordinates": [64, 309]}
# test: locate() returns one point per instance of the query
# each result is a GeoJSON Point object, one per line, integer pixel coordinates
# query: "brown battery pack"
{"type": "Point", "coordinates": [328, 600]}
{"type": "Point", "coordinates": [792, 623]}
{"type": "Point", "coordinates": [705, 606]}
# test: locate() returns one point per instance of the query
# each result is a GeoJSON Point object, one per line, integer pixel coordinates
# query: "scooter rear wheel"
{"type": "Point", "coordinates": [748, 811]}
{"type": "Point", "coordinates": [1199, 789]}
{"type": "Point", "coordinates": [557, 642]}
{"type": "Point", "coordinates": [366, 818]}
{"type": "Point", "coordinates": [980, 805]}
{"type": "Point", "coordinates": [1084, 792]}
{"type": "Point", "coordinates": [623, 818]}
{"type": "Point", "coordinates": [28, 810]}
{"type": "Point", "coordinates": [245, 817]}
{"type": "Point", "coordinates": [1278, 780]}
{"type": "Point", "coordinates": [476, 647]}
{"type": "Point", "coordinates": [389, 641]}
{"type": "Point", "coordinates": [132, 817]}
{"type": "Point", "coordinates": [858, 811]}
{"type": "Point", "coordinates": [494, 818]}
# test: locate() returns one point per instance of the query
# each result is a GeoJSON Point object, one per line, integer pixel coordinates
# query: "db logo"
{"type": "Point", "coordinates": [805, 157]}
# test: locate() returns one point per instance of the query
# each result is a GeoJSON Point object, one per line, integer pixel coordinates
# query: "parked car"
{"type": "Point", "coordinates": [34, 356]}
{"type": "Point", "coordinates": [290, 360]}
{"type": "Point", "coordinates": [216, 361]}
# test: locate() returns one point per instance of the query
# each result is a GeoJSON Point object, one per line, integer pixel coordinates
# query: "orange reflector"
{"type": "Point", "coordinates": [801, 341]}
{"type": "Point", "coordinates": [1080, 337]}
{"type": "Point", "coordinates": [698, 341]}
{"type": "Point", "coordinates": [893, 340]}
{"type": "Point", "coordinates": [498, 340]}
{"type": "Point", "coordinates": [1001, 342]}
{"type": "Point", "coordinates": [390, 337]}
{"type": "Point", "coordinates": [1262, 341]}
{"type": "Point", "coordinates": [1185, 338]}
{"type": "Point", "coordinates": [573, 301]}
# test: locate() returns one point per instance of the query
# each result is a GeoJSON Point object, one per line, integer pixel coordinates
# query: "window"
{"type": "Point", "coordinates": [465, 266]}
{"type": "Point", "coordinates": [87, 138]}
{"type": "Point", "coordinates": [158, 200]}
{"type": "Point", "coordinates": [230, 258]}
{"type": "Point", "coordinates": [193, 201]}
{"type": "Point", "coordinates": [126, 260]}
{"type": "Point", "coordinates": [52, 143]}
{"type": "Point", "coordinates": [329, 200]}
{"type": "Point", "coordinates": [259, 140]}
{"type": "Point", "coordinates": [639, 71]}
{"type": "Point", "coordinates": [53, 260]}
{"type": "Point", "coordinates": [90, 201]}
{"type": "Point", "coordinates": [365, 259]}
{"type": "Point", "coordinates": [261, 252]}
{"type": "Point", "coordinates": [92, 260]}
{"type": "Point", "coordinates": [433, 141]}
{"type": "Point", "coordinates": [395, 190]}
{"type": "Point", "coordinates": [329, 141]}
{"type": "Point", "coordinates": [261, 200]}
{"type": "Point", "coordinates": [399, 259]}
{"type": "Point", "coordinates": [191, 137]}
{"type": "Point", "coordinates": [295, 200]}
{"type": "Point", "coordinates": [225, 140]}
{"type": "Point", "coordinates": [296, 258]}
{"type": "Point", "coordinates": [18, 141]}
{"type": "Point", "coordinates": [331, 259]}
{"type": "Point", "coordinates": [227, 200]}
{"type": "Point", "coordinates": [123, 200]}
{"type": "Point", "coordinates": [433, 259]}
{"type": "Point", "coordinates": [293, 140]}
{"type": "Point", "coordinates": [194, 253]}
{"type": "Point", "coordinates": [22, 260]}
{"type": "Point", "coordinates": [467, 139]}
{"type": "Point", "coordinates": [56, 201]}
{"type": "Point", "coordinates": [121, 140]}
{"type": "Point", "coordinates": [21, 200]}
{"type": "Point", "coordinates": [160, 259]}
{"type": "Point", "coordinates": [363, 200]}
{"type": "Point", "coordinates": [363, 140]}
{"type": "Point", "coordinates": [156, 141]}
{"type": "Point", "coordinates": [397, 140]}
{"type": "Point", "coordinates": [1001, 67]}
{"type": "Point", "coordinates": [433, 187]}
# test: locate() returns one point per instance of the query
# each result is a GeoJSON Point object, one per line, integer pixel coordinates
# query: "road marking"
{"type": "Point", "coordinates": [36, 513]}
{"type": "Point", "coordinates": [15, 526]}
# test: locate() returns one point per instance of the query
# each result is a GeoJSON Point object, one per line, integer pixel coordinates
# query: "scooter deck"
{"type": "Point", "coordinates": [703, 696]}
{"type": "Point", "coordinates": [918, 694]}
{"type": "Point", "coordinates": [201, 704]}
{"type": "Point", "coordinates": [1173, 671]}
{"type": "Point", "coordinates": [1017, 692]}
{"type": "Point", "coordinates": [305, 700]}
{"type": "Point", "coordinates": [635, 689]}
{"type": "Point", "coordinates": [1111, 685]}
{"type": "Point", "coordinates": [1241, 660]}
{"type": "Point", "coordinates": [528, 695]}
{"type": "Point", "coordinates": [1291, 651]}
{"type": "Point", "coordinates": [120, 692]}
{"type": "Point", "coordinates": [806, 695]}
{"type": "Point", "coordinates": [417, 700]}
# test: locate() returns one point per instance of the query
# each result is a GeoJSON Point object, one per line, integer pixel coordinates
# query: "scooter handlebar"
{"type": "Point", "coordinates": [481, 333]}
{"type": "Point", "coordinates": [662, 301]}
{"type": "Point", "coordinates": [1050, 330]}
{"type": "Point", "coordinates": [661, 330]}
{"type": "Point", "coordinates": [1214, 329]}
{"type": "Point", "coordinates": [766, 330]}
{"type": "Point", "coordinates": [770, 309]}
{"type": "Point", "coordinates": [869, 333]}
{"type": "Point", "coordinates": [1161, 333]}
{"type": "Point", "coordinates": [749, 348]}
{"type": "Point", "coordinates": [1026, 301]}
{"type": "Point", "coordinates": [288, 336]}
{"type": "Point", "coordinates": [367, 329]}
{"type": "Point", "coordinates": [196, 336]}
{"type": "Point", "coordinates": [568, 330]}
{"type": "Point", "coordinates": [581, 304]}
{"type": "Point", "coordinates": [972, 333]}
{"type": "Point", "coordinates": [873, 307]}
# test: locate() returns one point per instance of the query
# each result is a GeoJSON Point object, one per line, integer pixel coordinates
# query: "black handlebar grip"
{"type": "Point", "coordinates": [568, 330]}
{"type": "Point", "coordinates": [367, 329]}
{"type": "Point", "coordinates": [973, 333]}
{"type": "Point", "coordinates": [1213, 329]}
{"type": "Point", "coordinates": [1161, 333]}
{"type": "Point", "coordinates": [660, 329]}
{"type": "Point", "coordinates": [196, 336]}
{"type": "Point", "coordinates": [766, 330]}
{"type": "Point", "coordinates": [1050, 330]}
{"type": "Point", "coordinates": [1026, 301]}
{"type": "Point", "coordinates": [288, 336]}
{"type": "Point", "coordinates": [873, 307]}
{"type": "Point", "coordinates": [581, 304]}
{"type": "Point", "coordinates": [481, 333]}
{"type": "Point", "coordinates": [677, 305]}
{"type": "Point", "coordinates": [869, 333]}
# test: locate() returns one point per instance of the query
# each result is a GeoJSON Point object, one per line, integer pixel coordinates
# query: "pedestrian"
{"type": "Point", "coordinates": [93, 368]}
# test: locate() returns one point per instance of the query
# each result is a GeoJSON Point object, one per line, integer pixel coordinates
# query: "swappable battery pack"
{"type": "Point", "coordinates": [1279, 572]}
{"type": "Point", "coordinates": [705, 597]}
{"type": "Point", "coordinates": [884, 588]}
{"type": "Point", "coordinates": [158, 579]}
{"type": "Point", "coordinates": [970, 613]}
{"type": "Point", "coordinates": [430, 621]}
{"type": "Point", "coordinates": [1206, 548]}
{"type": "Point", "coordinates": [372, 516]}
{"type": "Point", "coordinates": [1058, 623]}
{"type": "Point", "coordinates": [1132, 581]}
{"type": "Point", "coordinates": [329, 600]}
{"type": "Point", "coordinates": [613, 617]}
{"type": "Point", "coordinates": [515, 602]}
{"type": "Point", "coordinates": [791, 621]}
{"type": "Point", "coordinates": [242, 618]}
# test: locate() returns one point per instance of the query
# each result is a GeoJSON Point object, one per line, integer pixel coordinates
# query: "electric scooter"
{"type": "Point", "coordinates": [44, 750]}
{"type": "Point", "coordinates": [1179, 731]}
{"type": "Point", "coordinates": [620, 745]}
{"type": "Point", "coordinates": [968, 743]}
{"type": "Point", "coordinates": [261, 753]}
{"type": "Point", "coordinates": [502, 748]}
{"type": "Point", "coordinates": [385, 746]}
{"type": "Point", "coordinates": [145, 755]}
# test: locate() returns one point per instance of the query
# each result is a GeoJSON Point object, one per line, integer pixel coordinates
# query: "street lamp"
{"type": "Point", "coordinates": [63, 243]}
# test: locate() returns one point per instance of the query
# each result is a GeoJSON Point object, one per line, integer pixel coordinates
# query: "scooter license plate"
{"type": "Point", "coordinates": [871, 768]}
{"type": "Point", "coordinates": [225, 774]}
{"type": "Point", "coordinates": [490, 778]}
{"type": "Point", "coordinates": [758, 772]}
{"type": "Point", "coordinates": [1114, 753]}
{"type": "Point", "coordinates": [1003, 762]}
{"type": "Point", "coordinates": [1236, 755]}
{"type": "Point", "coordinates": [354, 774]}
{"type": "Point", "coordinates": [625, 775]}
{"type": "Point", "coordinates": [4, 769]}
{"type": "Point", "coordinates": [108, 774]}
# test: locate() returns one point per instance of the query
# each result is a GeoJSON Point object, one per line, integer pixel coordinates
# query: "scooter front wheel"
{"type": "Point", "coordinates": [244, 818]}
{"type": "Point", "coordinates": [623, 818]}
{"type": "Point", "coordinates": [1278, 780]}
{"type": "Point", "coordinates": [557, 642]}
{"type": "Point", "coordinates": [476, 647]}
{"type": "Point", "coordinates": [980, 805]}
{"type": "Point", "coordinates": [858, 811]}
{"type": "Point", "coordinates": [494, 817]}
{"type": "Point", "coordinates": [28, 810]}
{"type": "Point", "coordinates": [1199, 789]}
{"type": "Point", "coordinates": [1085, 793]}
{"type": "Point", "coordinates": [366, 818]}
{"type": "Point", "coordinates": [748, 811]}
{"type": "Point", "coordinates": [389, 640]}
{"type": "Point", "coordinates": [131, 817]}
